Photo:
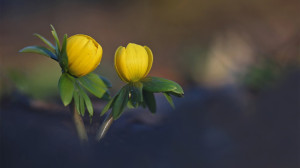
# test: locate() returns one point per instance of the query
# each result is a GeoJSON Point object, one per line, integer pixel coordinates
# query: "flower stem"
{"type": "Point", "coordinates": [104, 127]}
{"type": "Point", "coordinates": [81, 132]}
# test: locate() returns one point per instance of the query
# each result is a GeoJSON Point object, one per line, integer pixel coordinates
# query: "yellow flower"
{"type": "Point", "coordinates": [84, 54]}
{"type": "Point", "coordinates": [133, 62]}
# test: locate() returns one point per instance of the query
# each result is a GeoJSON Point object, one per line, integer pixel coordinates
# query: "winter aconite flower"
{"type": "Point", "coordinates": [84, 54]}
{"type": "Point", "coordinates": [77, 57]}
{"type": "Point", "coordinates": [134, 62]}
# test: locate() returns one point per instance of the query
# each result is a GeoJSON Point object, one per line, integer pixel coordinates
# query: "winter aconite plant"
{"type": "Point", "coordinates": [133, 64]}
{"type": "Point", "coordinates": [78, 56]}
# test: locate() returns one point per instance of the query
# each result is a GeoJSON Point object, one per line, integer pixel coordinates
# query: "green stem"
{"type": "Point", "coordinates": [104, 127]}
{"type": "Point", "coordinates": [81, 132]}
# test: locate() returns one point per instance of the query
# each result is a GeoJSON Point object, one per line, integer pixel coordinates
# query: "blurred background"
{"type": "Point", "coordinates": [238, 62]}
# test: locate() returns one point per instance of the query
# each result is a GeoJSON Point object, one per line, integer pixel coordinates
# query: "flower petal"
{"type": "Point", "coordinates": [92, 58]}
{"type": "Point", "coordinates": [136, 61]}
{"type": "Point", "coordinates": [142, 58]}
{"type": "Point", "coordinates": [83, 59]}
{"type": "Point", "coordinates": [120, 53]}
{"type": "Point", "coordinates": [150, 60]}
{"type": "Point", "coordinates": [84, 54]}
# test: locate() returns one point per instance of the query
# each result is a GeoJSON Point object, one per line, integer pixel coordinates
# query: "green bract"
{"type": "Point", "coordinates": [71, 87]}
{"type": "Point", "coordinates": [156, 84]}
{"type": "Point", "coordinates": [137, 94]}
{"type": "Point", "coordinates": [66, 85]}
{"type": "Point", "coordinates": [39, 50]}
{"type": "Point", "coordinates": [142, 94]}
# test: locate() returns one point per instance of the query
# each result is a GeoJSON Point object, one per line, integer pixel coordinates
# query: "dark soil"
{"type": "Point", "coordinates": [226, 127]}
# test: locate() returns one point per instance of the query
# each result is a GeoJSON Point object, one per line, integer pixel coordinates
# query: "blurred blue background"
{"type": "Point", "coordinates": [238, 62]}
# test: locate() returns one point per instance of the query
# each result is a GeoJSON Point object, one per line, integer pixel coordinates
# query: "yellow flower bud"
{"type": "Point", "coordinates": [133, 62]}
{"type": "Point", "coordinates": [84, 54]}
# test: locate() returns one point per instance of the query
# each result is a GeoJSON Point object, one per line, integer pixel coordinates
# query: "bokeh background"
{"type": "Point", "coordinates": [238, 62]}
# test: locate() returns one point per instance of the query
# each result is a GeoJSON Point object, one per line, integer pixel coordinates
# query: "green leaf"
{"type": "Point", "coordinates": [87, 101]}
{"type": "Point", "coordinates": [93, 84]}
{"type": "Point", "coordinates": [136, 93]}
{"type": "Point", "coordinates": [149, 99]}
{"type": "Point", "coordinates": [156, 84]}
{"type": "Point", "coordinates": [169, 99]}
{"type": "Point", "coordinates": [106, 81]}
{"type": "Point", "coordinates": [81, 105]}
{"type": "Point", "coordinates": [39, 50]}
{"type": "Point", "coordinates": [130, 105]}
{"type": "Point", "coordinates": [66, 88]}
{"type": "Point", "coordinates": [175, 94]}
{"type": "Point", "coordinates": [120, 103]}
{"type": "Point", "coordinates": [106, 96]}
{"type": "Point", "coordinates": [55, 37]}
{"type": "Point", "coordinates": [97, 80]}
{"type": "Point", "coordinates": [48, 43]}
{"type": "Point", "coordinates": [108, 105]}
{"type": "Point", "coordinates": [63, 59]}
{"type": "Point", "coordinates": [76, 101]}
